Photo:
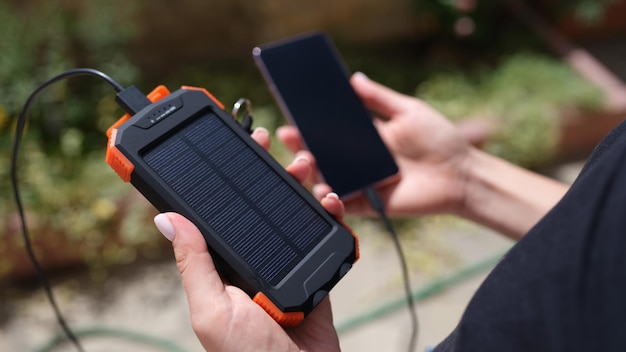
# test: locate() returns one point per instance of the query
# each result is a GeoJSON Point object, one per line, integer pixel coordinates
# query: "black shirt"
{"type": "Point", "coordinates": [563, 286]}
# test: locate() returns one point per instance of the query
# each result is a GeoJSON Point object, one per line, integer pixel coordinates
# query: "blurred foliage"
{"type": "Point", "coordinates": [483, 21]}
{"type": "Point", "coordinates": [525, 94]}
{"type": "Point", "coordinates": [75, 34]}
{"type": "Point", "coordinates": [66, 186]}
{"type": "Point", "coordinates": [590, 11]}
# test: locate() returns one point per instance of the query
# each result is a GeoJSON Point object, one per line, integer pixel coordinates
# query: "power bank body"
{"type": "Point", "coordinates": [267, 234]}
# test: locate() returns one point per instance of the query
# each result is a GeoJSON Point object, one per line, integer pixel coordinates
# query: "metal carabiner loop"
{"type": "Point", "coordinates": [246, 120]}
{"type": "Point", "coordinates": [237, 107]}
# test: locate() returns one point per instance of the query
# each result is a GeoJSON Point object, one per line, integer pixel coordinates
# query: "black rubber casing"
{"type": "Point", "coordinates": [305, 280]}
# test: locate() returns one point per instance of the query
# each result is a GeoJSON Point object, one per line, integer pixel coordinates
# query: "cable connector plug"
{"type": "Point", "coordinates": [132, 100]}
{"type": "Point", "coordinates": [375, 202]}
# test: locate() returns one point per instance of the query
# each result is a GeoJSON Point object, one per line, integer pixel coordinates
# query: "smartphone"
{"type": "Point", "coordinates": [267, 233]}
{"type": "Point", "coordinates": [311, 84]}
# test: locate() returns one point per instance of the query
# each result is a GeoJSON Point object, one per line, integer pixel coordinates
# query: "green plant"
{"type": "Point", "coordinates": [65, 190]}
{"type": "Point", "coordinates": [483, 21]}
{"type": "Point", "coordinates": [41, 39]}
{"type": "Point", "coordinates": [589, 11]}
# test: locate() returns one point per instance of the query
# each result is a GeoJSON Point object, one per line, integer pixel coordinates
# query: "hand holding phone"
{"type": "Point", "coordinates": [310, 83]}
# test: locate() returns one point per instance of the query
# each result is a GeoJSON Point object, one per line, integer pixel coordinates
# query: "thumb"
{"type": "Point", "coordinates": [201, 280]}
{"type": "Point", "coordinates": [377, 97]}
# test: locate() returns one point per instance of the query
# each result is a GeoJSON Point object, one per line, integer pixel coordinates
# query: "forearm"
{"type": "Point", "coordinates": [505, 197]}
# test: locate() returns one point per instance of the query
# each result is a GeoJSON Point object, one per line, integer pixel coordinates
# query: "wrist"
{"type": "Point", "coordinates": [504, 196]}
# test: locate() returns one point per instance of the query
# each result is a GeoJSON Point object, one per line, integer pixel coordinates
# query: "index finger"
{"type": "Point", "coordinates": [201, 279]}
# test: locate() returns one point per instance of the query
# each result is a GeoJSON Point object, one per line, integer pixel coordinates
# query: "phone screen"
{"type": "Point", "coordinates": [311, 85]}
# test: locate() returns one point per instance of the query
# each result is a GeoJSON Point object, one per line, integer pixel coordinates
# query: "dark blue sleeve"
{"type": "Point", "coordinates": [563, 286]}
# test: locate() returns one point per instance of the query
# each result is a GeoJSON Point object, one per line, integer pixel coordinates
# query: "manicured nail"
{"type": "Point", "coordinates": [361, 75]}
{"type": "Point", "coordinates": [262, 130]}
{"type": "Point", "coordinates": [164, 225]}
{"type": "Point", "coordinates": [318, 191]}
{"type": "Point", "coordinates": [332, 195]}
{"type": "Point", "coordinates": [301, 158]}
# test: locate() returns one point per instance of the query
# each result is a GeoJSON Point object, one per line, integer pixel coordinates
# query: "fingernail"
{"type": "Point", "coordinates": [361, 74]}
{"type": "Point", "coordinates": [332, 195]}
{"type": "Point", "coordinates": [318, 191]}
{"type": "Point", "coordinates": [300, 157]}
{"type": "Point", "coordinates": [164, 225]}
{"type": "Point", "coordinates": [262, 130]}
{"type": "Point", "coordinates": [279, 130]}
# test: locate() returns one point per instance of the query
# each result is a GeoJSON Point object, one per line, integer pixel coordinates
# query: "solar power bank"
{"type": "Point", "coordinates": [268, 235]}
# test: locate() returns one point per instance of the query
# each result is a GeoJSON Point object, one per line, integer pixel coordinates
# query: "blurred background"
{"type": "Point", "coordinates": [538, 82]}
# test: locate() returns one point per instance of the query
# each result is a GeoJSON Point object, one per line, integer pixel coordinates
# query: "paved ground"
{"type": "Point", "coordinates": [149, 300]}
{"type": "Point", "coordinates": [375, 282]}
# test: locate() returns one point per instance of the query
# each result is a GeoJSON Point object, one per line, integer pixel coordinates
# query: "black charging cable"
{"type": "Point", "coordinates": [129, 95]}
{"type": "Point", "coordinates": [377, 204]}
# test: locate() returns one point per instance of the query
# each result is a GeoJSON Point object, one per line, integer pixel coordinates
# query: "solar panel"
{"type": "Point", "coordinates": [238, 195]}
